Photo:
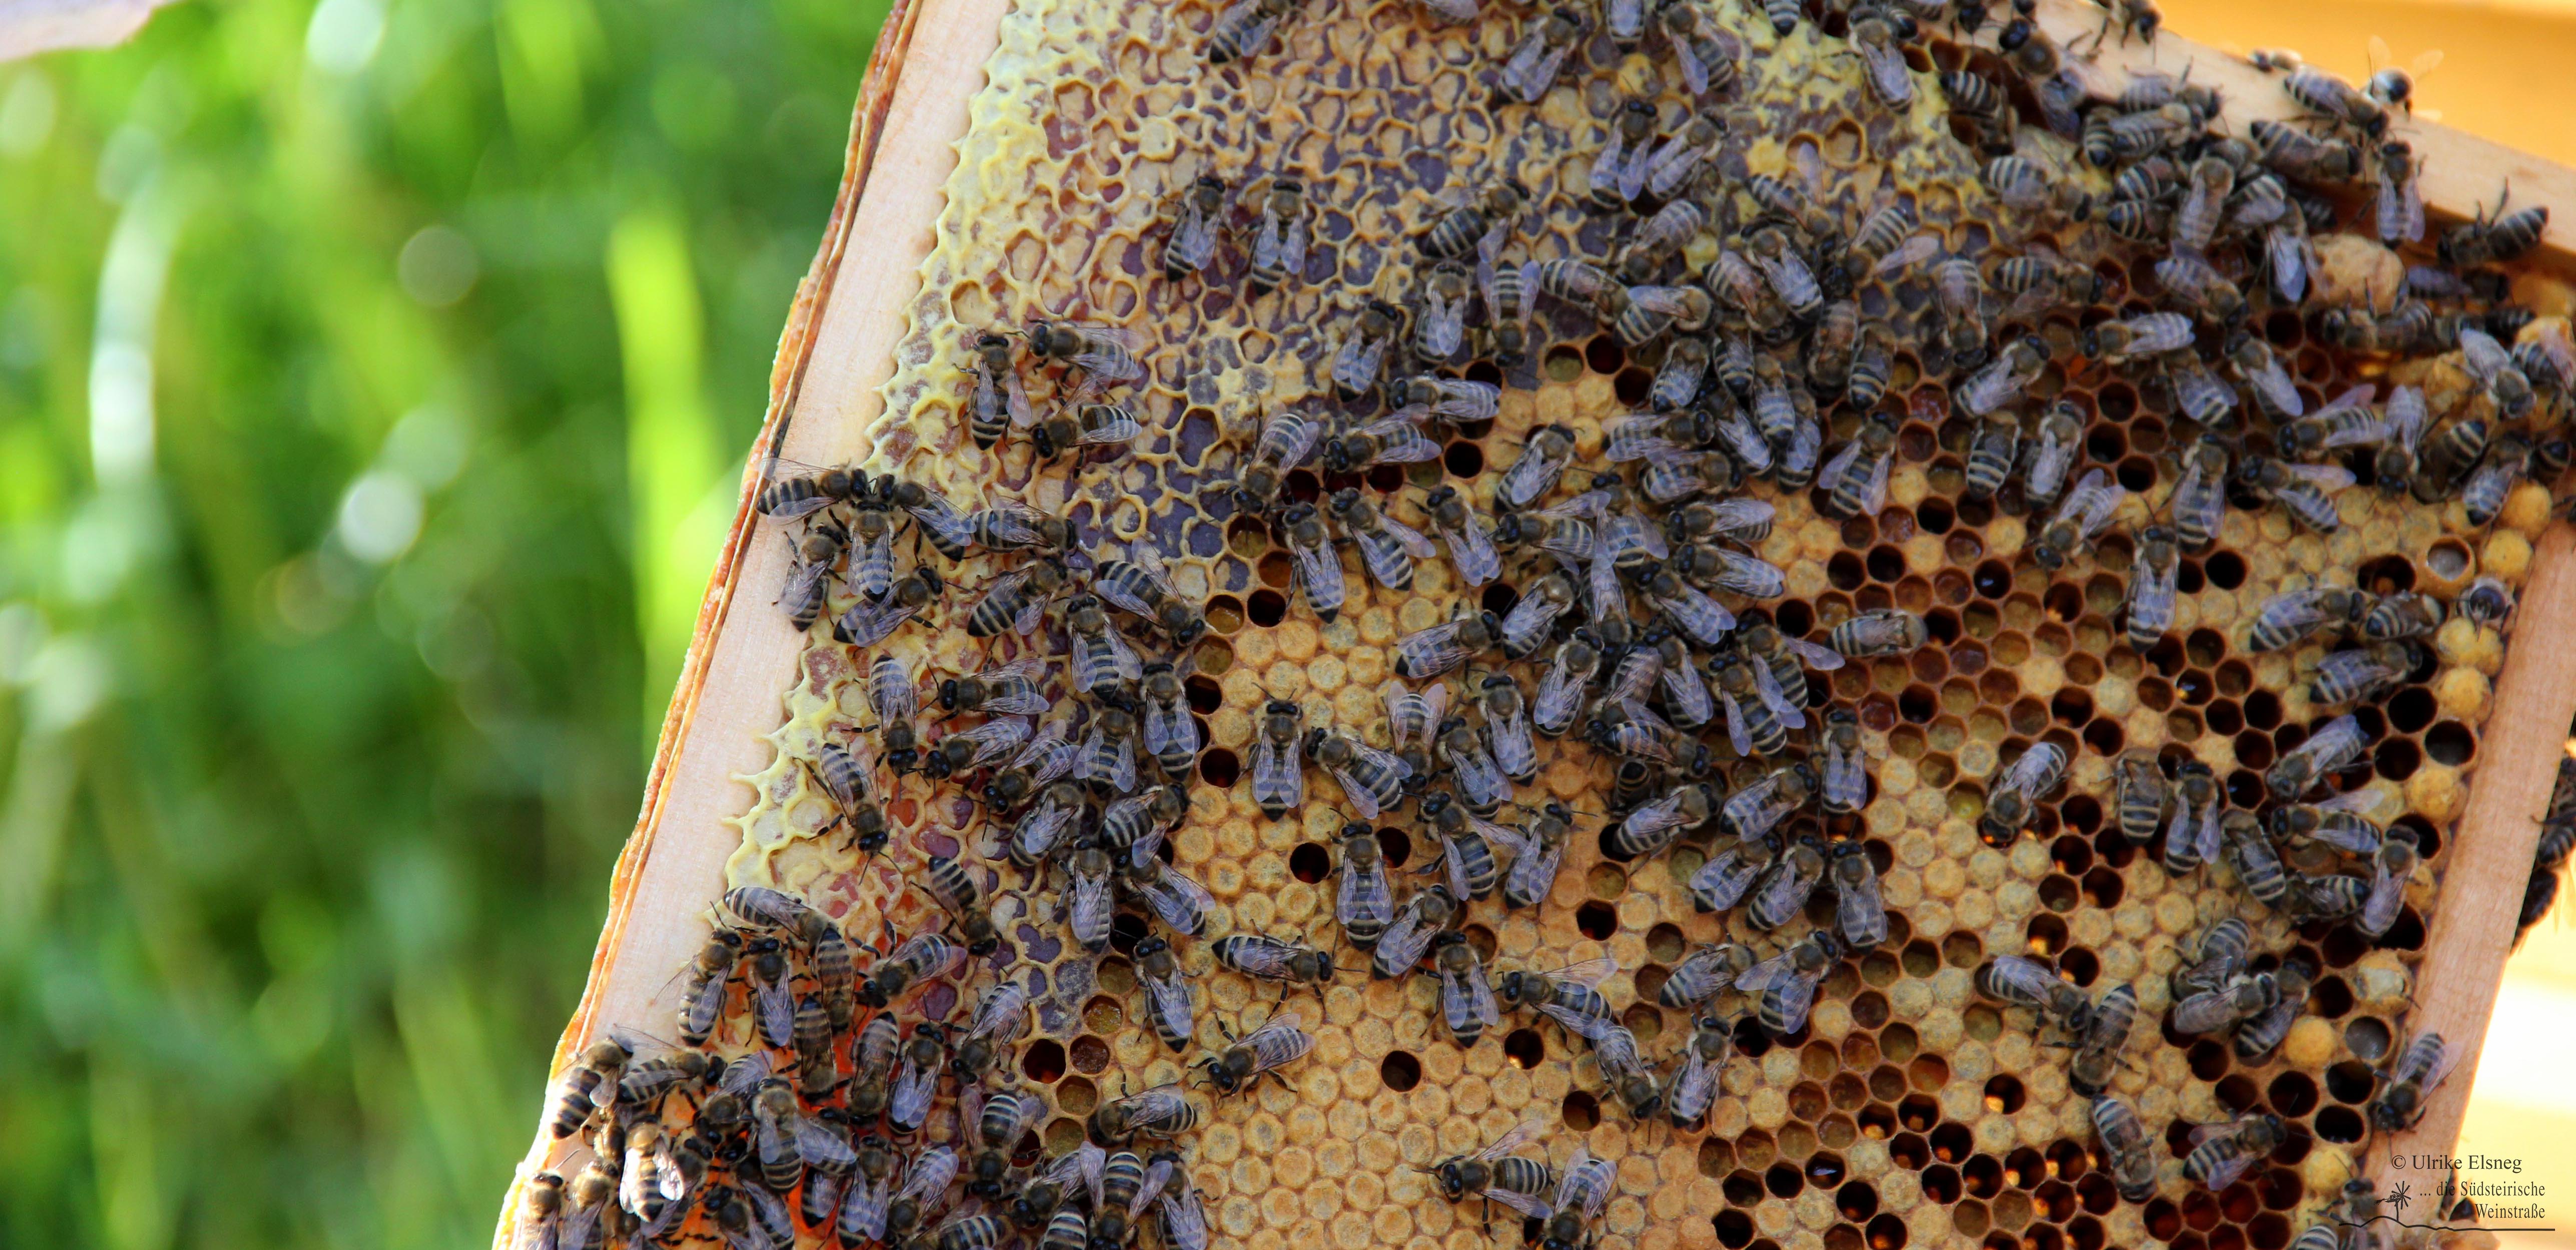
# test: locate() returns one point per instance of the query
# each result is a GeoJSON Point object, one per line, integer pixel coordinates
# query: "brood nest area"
{"type": "Point", "coordinates": [1683, 625]}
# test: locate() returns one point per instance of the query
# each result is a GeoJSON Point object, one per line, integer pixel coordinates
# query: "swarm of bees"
{"type": "Point", "coordinates": [1624, 604]}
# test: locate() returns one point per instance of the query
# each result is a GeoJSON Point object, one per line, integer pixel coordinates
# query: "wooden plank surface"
{"type": "Point", "coordinates": [2489, 858]}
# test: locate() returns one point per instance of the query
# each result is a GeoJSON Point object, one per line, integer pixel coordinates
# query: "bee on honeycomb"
{"type": "Point", "coordinates": [1725, 600]}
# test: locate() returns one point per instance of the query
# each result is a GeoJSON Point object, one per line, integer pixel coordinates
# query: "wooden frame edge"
{"type": "Point", "coordinates": [911, 110]}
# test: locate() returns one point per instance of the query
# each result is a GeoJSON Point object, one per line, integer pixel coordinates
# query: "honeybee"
{"type": "Point", "coordinates": [2142, 795]}
{"type": "Point", "coordinates": [1262, 1052]}
{"type": "Point", "coordinates": [1430, 652]}
{"type": "Point", "coordinates": [1567, 995]}
{"type": "Point", "coordinates": [1180, 902]}
{"type": "Point", "coordinates": [1043, 758]}
{"type": "Point", "coordinates": [2336, 101]}
{"type": "Point", "coordinates": [1855, 480]}
{"type": "Point", "coordinates": [1785, 984]}
{"type": "Point", "coordinates": [2085, 512]}
{"type": "Point", "coordinates": [1102, 660]}
{"type": "Point", "coordinates": [2494, 239]}
{"type": "Point", "coordinates": [1373, 780]}
{"type": "Point", "coordinates": [1542, 460]}
{"type": "Point", "coordinates": [2097, 1049]}
{"type": "Point", "coordinates": [999, 1124]}
{"type": "Point", "coordinates": [1539, 853]}
{"type": "Point", "coordinates": [809, 577]}
{"type": "Point", "coordinates": [1244, 29]}
{"type": "Point", "coordinates": [2193, 837]}
{"type": "Point", "coordinates": [1859, 911]}
{"type": "Point", "coordinates": [1881, 631]}
{"type": "Point", "coordinates": [1388, 547]}
{"type": "Point", "coordinates": [1708, 970]}
{"type": "Point", "coordinates": [866, 624]}
{"type": "Point", "coordinates": [1658, 239]}
{"type": "Point", "coordinates": [1016, 600]}
{"type": "Point", "coordinates": [590, 1084]}
{"type": "Point", "coordinates": [2009, 374]}
{"type": "Point", "coordinates": [1361, 357]}
{"type": "Point", "coordinates": [1619, 169]}
{"type": "Point", "coordinates": [1287, 438]}
{"type": "Point", "coordinates": [2137, 336]}
{"type": "Point", "coordinates": [2217, 957]}
{"type": "Point", "coordinates": [2295, 153]}
{"type": "Point", "coordinates": [1107, 758]}
{"type": "Point", "coordinates": [785, 1140]}
{"type": "Point", "coordinates": [1169, 1002]}
{"type": "Point", "coordinates": [1272, 959]}
{"type": "Point", "coordinates": [2391, 868]}
{"type": "Point", "coordinates": [1961, 290]}
{"type": "Point", "coordinates": [2328, 749]}
{"type": "Point", "coordinates": [1882, 60]}
{"type": "Point", "coordinates": [1318, 566]}
{"type": "Point", "coordinates": [1278, 783]}
{"type": "Point", "coordinates": [2221, 1152]}
{"type": "Point", "coordinates": [1104, 355]}
{"type": "Point", "coordinates": [2225, 1007]}
{"type": "Point", "coordinates": [1191, 243]}
{"type": "Point", "coordinates": [2485, 604]}
{"type": "Point", "coordinates": [1508, 290]}
{"type": "Point", "coordinates": [1535, 63]}
{"type": "Point", "coordinates": [2418, 1071]}
{"type": "Point", "coordinates": [2022, 982]}
{"type": "Point", "coordinates": [1440, 316]}
{"type": "Point", "coordinates": [1279, 242]}
{"type": "Point", "coordinates": [1363, 902]}
{"type": "Point", "coordinates": [1791, 281]}
{"type": "Point", "coordinates": [2263, 1034]}
{"type": "Point", "coordinates": [1163, 1111]}
{"type": "Point", "coordinates": [1483, 224]}
{"type": "Point", "coordinates": [1496, 1173]}
{"type": "Point", "coordinates": [2124, 1147]}
{"type": "Point", "coordinates": [1421, 918]}
{"type": "Point", "coordinates": [921, 958]}
{"type": "Point", "coordinates": [798, 490]}
{"type": "Point", "coordinates": [1467, 535]}
{"type": "Point", "coordinates": [1561, 687]}
{"type": "Point", "coordinates": [1651, 827]}
{"type": "Point", "coordinates": [2150, 597]}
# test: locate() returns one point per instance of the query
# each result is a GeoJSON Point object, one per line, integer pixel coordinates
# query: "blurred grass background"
{"type": "Point", "coordinates": [373, 380]}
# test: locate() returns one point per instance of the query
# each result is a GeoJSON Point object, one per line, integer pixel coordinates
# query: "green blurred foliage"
{"type": "Point", "coordinates": [374, 377]}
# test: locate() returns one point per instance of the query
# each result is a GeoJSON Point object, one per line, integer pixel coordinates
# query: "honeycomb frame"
{"type": "Point", "coordinates": [2017, 631]}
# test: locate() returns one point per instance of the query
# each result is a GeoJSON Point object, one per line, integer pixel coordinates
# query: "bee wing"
{"type": "Point", "coordinates": [775, 1004]}
{"type": "Point", "coordinates": [1405, 441]}
{"type": "Point", "coordinates": [744, 1075]}
{"type": "Point", "coordinates": [1736, 734]}
{"type": "Point", "coordinates": [1275, 778]}
{"type": "Point", "coordinates": [1887, 72]}
{"type": "Point", "coordinates": [1471, 552]}
{"type": "Point", "coordinates": [1588, 973]}
{"type": "Point", "coordinates": [2406, 416]}
{"type": "Point", "coordinates": [1161, 729]}
{"type": "Point", "coordinates": [1321, 571]}
{"type": "Point", "coordinates": [1480, 997]}
{"type": "Point", "coordinates": [1822, 659]}
{"type": "Point", "coordinates": [931, 1172]}
{"type": "Point", "coordinates": [1768, 687]}
{"type": "Point", "coordinates": [1412, 540]}
{"type": "Point", "coordinates": [1694, 70]}
{"type": "Point", "coordinates": [2325, 477]}
{"type": "Point", "coordinates": [1797, 997]}
{"type": "Point", "coordinates": [822, 1147]}
{"type": "Point", "coordinates": [1002, 1013]}
{"type": "Point", "coordinates": [1765, 974]}
{"type": "Point", "coordinates": [1830, 477]}
{"type": "Point", "coordinates": [1521, 1134]}
{"type": "Point", "coordinates": [1180, 901]}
